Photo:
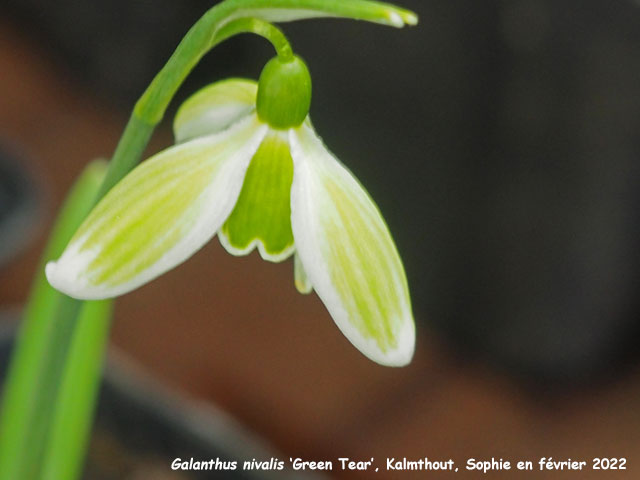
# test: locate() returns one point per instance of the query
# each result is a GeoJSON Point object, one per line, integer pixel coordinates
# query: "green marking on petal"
{"type": "Point", "coordinates": [214, 108]}
{"type": "Point", "coordinates": [262, 215]}
{"type": "Point", "coordinates": [360, 267]}
{"type": "Point", "coordinates": [348, 254]}
{"type": "Point", "coordinates": [158, 215]}
{"type": "Point", "coordinates": [154, 206]}
{"type": "Point", "coordinates": [159, 222]}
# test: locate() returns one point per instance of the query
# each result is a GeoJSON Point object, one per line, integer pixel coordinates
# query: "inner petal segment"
{"type": "Point", "coordinates": [262, 215]}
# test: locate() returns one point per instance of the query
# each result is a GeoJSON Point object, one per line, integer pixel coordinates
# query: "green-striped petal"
{"type": "Point", "coordinates": [262, 215]}
{"type": "Point", "coordinates": [348, 254]}
{"type": "Point", "coordinates": [158, 215]}
{"type": "Point", "coordinates": [214, 108]}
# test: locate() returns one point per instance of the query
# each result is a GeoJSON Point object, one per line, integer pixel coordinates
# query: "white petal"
{"type": "Point", "coordinates": [214, 108]}
{"type": "Point", "coordinates": [158, 215]}
{"type": "Point", "coordinates": [348, 254]}
{"type": "Point", "coordinates": [303, 285]}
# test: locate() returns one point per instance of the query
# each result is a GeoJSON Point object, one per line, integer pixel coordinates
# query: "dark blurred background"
{"type": "Point", "coordinates": [501, 140]}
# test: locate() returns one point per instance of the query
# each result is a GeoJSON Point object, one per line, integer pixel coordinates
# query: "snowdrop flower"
{"type": "Point", "coordinates": [249, 167]}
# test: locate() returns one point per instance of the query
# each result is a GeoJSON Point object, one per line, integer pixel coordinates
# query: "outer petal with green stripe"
{"type": "Point", "coordinates": [159, 215]}
{"type": "Point", "coordinates": [348, 254]}
{"type": "Point", "coordinates": [280, 191]}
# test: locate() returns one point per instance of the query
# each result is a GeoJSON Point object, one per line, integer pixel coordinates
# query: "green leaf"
{"type": "Point", "coordinates": [39, 355]}
{"type": "Point", "coordinates": [75, 402]}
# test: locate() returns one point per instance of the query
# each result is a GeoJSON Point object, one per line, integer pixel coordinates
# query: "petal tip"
{"type": "Point", "coordinates": [256, 243]}
{"type": "Point", "coordinates": [68, 274]}
{"type": "Point", "coordinates": [50, 273]}
{"type": "Point", "coordinates": [60, 280]}
{"type": "Point", "coordinates": [402, 355]}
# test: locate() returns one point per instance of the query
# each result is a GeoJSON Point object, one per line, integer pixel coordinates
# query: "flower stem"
{"type": "Point", "coordinates": [134, 140]}
{"type": "Point", "coordinates": [140, 126]}
{"type": "Point", "coordinates": [206, 33]}
{"type": "Point", "coordinates": [259, 27]}
{"type": "Point", "coordinates": [228, 18]}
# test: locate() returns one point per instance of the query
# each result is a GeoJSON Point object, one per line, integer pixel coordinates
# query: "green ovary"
{"type": "Point", "coordinates": [263, 211]}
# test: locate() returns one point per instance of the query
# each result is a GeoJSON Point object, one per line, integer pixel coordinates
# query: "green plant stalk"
{"type": "Point", "coordinates": [48, 359]}
{"type": "Point", "coordinates": [138, 130]}
{"type": "Point", "coordinates": [228, 18]}
{"type": "Point", "coordinates": [76, 399]}
{"type": "Point", "coordinates": [205, 34]}
{"type": "Point", "coordinates": [41, 346]}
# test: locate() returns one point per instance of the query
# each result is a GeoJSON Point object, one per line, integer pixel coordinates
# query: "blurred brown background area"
{"type": "Point", "coordinates": [502, 143]}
